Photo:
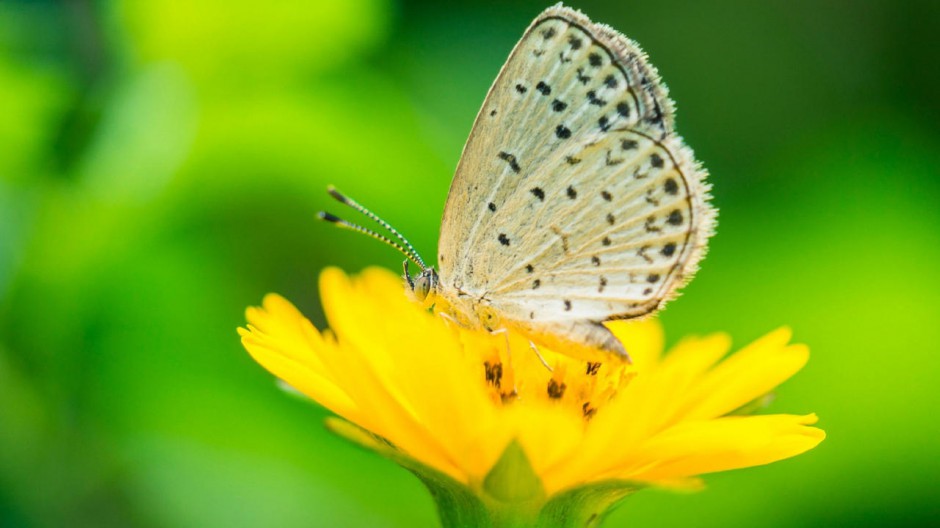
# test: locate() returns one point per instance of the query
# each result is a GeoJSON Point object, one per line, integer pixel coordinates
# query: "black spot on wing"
{"type": "Point", "coordinates": [511, 160]}
{"type": "Point", "coordinates": [521, 89]}
{"type": "Point", "coordinates": [538, 192]}
{"type": "Point", "coordinates": [503, 239]}
{"type": "Point", "coordinates": [671, 187]}
{"type": "Point", "coordinates": [582, 78]}
{"type": "Point", "coordinates": [562, 132]}
{"type": "Point", "coordinates": [623, 109]}
{"type": "Point", "coordinates": [675, 218]}
{"type": "Point", "coordinates": [572, 192]}
{"type": "Point", "coordinates": [492, 207]}
{"type": "Point", "coordinates": [656, 161]}
{"type": "Point", "coordinates": [543, 88]}
{"type": "Point", "coordinates": [668, 249]}
{"type": "Point", "coordinates": [558, 106]}
{"type": "Point", "coordinates": [594, 99]}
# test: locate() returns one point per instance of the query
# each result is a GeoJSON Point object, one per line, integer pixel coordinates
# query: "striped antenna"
{"type": "Point", "coordinates": [405, 247]}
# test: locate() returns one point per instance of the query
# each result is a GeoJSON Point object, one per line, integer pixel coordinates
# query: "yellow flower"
{"type": "Point", "coordinates": [457, 401]}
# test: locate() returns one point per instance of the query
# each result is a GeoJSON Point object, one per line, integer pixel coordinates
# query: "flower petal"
{"type": "Point", "coordinates": [733, 442]}
{"type": "Point", "coordinates": [746, 375]}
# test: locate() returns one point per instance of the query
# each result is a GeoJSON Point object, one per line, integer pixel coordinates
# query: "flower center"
{"type": "Point", "coordinates": [527, 375]}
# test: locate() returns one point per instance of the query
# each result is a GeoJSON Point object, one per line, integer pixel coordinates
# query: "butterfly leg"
{"type": "Point", "coordinates": [449, 319]}
{"type": "Point", "coordinates": [539, 355]}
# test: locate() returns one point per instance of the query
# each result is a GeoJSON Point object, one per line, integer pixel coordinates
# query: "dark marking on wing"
{"type": "Point", "coordinates": [594, 99]}
{"type": "Point", "coordinates": [671, 187]}
{"type": "Point", "coordinates": [562, 132]}
{"type": "Point", "coordinates": [503, 239]}
{"type": "Point", "coordinates": [610, 161]}
{"type": "Point", "coordinates": [675, 218]}
{"type": "Point", "coordinates": [538, 192]}
{"type": "Point", "coordinates": [511, 159]}
{"type": "Point", "coordinates": [623, 109]}
{"type": "Point", "coordinates": [582, 78]}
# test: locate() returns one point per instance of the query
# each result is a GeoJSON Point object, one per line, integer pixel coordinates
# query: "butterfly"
{"type": "Point", "coordinates": [574, 202]}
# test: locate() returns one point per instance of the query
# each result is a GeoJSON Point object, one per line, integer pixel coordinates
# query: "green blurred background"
{"type": "Point", "coordinates": [161, 163]}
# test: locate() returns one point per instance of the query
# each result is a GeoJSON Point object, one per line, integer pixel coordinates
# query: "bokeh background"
{"type": "Point", "coordinates": [161, 163]}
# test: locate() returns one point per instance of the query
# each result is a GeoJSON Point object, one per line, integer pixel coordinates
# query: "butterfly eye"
{"type": "Point", "coordinates": [424, 284]}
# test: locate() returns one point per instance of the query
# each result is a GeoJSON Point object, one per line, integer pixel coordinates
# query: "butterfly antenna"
{"type": "Point", "coordinates": [409, 250]}
{"type": "Point", "coordinates": [335, 220]}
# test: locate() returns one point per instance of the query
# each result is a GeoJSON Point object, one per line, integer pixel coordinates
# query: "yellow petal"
{"type": "Point", "coordinates": [694, 448]}
{"type": "Point", "coordinates": [753, 372]}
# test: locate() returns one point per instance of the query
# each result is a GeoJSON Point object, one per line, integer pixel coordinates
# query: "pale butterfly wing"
{"type": "Point", "coordinates": [574, 201]}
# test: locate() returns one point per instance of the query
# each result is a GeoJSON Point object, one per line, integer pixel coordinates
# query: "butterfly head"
{"type": "Point", "coordinates": [424, 285]}
{"type": "Point", "coordinates": [421, 287]}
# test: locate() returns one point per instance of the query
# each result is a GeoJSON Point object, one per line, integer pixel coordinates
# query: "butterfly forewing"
{"type": "Point", "coordinates": [574, 200]}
